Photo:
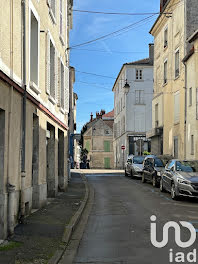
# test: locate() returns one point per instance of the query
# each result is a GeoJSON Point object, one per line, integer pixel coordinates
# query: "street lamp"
{"type": "Point", "coordinates": [126, 87]}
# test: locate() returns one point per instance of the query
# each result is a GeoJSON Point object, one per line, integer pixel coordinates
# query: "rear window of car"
{"type": "Point", "coordinates": [187, 166]}
{"type": "Point", "coordinates": [158, 163]}
{"type": "Point", "coordinates": [138, 160]}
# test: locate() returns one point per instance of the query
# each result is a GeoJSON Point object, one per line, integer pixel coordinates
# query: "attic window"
{"type": "Point", "coordinates": [138, 74]}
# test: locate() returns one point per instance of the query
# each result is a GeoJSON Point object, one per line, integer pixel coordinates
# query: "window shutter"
{"type": "Point", "coordinates": [48, 63]}
{"type": "Point", "coordinates": [59, 84]}
{"type": "Point", "coordinates": [66, 93]}
{"type": "Point", "coordinates": [177, 107]}
{"type": "Point", "coordinates": [56, 75]}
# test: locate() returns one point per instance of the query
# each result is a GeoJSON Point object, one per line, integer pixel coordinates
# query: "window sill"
{"type": "Point", "coordinates": [35, 88]}
{"type": "Point", "coordinates": [62, 111]}
{"type": "Point", "coordinates": [136, 80]}
{"type": "Point", "coordinates": [52, 16]}
{"type": "Point", "coordinates": [140, 104]}
{"type": "Point", "coordinates": [165, 84]}
{"type": "Point", "coordinates": [51, 99]}
{"type": "Point", "coordinates": [165, 48]}
{"type": "Point", "coordinates": [176, 123]}
{"type": "Point", "coordinates": [176, 78]}
{"type": "Point", "coordinates": [61, 40]}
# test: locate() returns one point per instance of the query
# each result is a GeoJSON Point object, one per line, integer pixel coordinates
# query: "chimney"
{"type": "Point", "coordinates": [91, 119]}
{"type": "Point", "coordinates": [162, 4]}
{"type": "Point", "coordinates": [102, 112]}
{"type": "Point", "coordinates": [151, 52]}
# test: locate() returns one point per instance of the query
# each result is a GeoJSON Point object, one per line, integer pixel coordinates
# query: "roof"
{"type": "Point", "coordinates": [110, 114]}
{"type": "Point", "coordinates": [140, 62]}
{"type": "Point", "coordinates": [109, 123]}
{"type": "Point", "coordinates": [193, 37]}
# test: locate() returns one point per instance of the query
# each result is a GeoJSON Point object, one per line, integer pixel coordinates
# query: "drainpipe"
{"type": "Point", "coordinates": [185, 110]}
{"type": "Point", "coordinates": [23, 167]}
{"type": "Point", "coordinates": [10, 187]}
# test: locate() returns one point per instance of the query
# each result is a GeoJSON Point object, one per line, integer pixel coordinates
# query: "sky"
{"type": "Point", "coordinates": [106, 56]}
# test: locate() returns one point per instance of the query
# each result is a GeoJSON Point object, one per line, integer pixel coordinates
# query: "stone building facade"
{"type": "Point", "coordinates": [171, 31]}
{"type": "Point", "coordinates": [98, 140]}
{"type": "Point", "coordinates": [34, 96]}
{"type": "Point", "coordinates": [133, 113]}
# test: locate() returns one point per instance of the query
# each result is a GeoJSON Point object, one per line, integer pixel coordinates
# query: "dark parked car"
{"type": "Point", "coordinates": [180, 178]}
{"type": "Point", "coordinates": [134, 165]}
{"type": "Point", "coordinates": [152, 168]}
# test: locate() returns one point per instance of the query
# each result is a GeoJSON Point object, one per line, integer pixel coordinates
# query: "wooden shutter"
{"type": "Point", "coordinates": [56, 75]}
{"type": "Point", "coordinates": [176, 107]}
{"type": "Point", "coordinates": [58, 94]}
{"type": "Point", "coordinates": [48, 63]}
{"type": "Point", "coordinates": [66, 94]}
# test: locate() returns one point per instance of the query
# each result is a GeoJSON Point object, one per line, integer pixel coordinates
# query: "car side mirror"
{"type": "Point", "coordinates": [167, 169]}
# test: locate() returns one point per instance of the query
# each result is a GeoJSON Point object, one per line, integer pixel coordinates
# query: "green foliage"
{"type": "Point", "coordinates": [10, 245]}
{"type": "Point", "coordinates": [145, 153]}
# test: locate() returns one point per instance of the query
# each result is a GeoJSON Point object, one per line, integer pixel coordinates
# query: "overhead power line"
{"type": "Point", "coordinates": [120, 13]}
{"type": "Point", "coordinates": [99, 75]}
{"type": "Point", "coordinates": [112, 33]}
{"type": "Point", "coordinates": [111, 51]}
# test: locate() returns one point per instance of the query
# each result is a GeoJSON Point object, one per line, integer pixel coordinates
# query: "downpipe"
{"type": "Point", "coordinates": [23, 150]}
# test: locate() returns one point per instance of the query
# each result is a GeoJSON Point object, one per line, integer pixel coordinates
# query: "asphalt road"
{"type": "Point", "coordinates": [118, 230]}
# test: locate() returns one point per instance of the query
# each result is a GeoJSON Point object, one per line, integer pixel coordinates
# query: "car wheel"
{"type": "Point", "coordinates": [143, 178]}
{"type": "Point", "coordinates": [154, 181]}
{"type": "Point", "coordinates": [161, 186]}
{"type": "Point", "coordinates": [173, 192]}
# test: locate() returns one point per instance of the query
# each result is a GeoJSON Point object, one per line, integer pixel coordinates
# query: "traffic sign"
{"type": "Point", "coordinates": [123, 147]}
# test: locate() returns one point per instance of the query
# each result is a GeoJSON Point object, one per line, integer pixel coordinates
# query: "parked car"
{"type": "Point", "coordinates": [180, 178]}
{"type": "Point", "coordinates": [152, 168]}
{"type": "Point", "coordinates": [134, 165]}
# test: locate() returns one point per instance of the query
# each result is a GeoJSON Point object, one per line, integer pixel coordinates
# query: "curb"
{"type": "Point", "coordinates": [70, 228]}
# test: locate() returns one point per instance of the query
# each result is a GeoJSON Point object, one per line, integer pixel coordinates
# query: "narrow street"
{"type": "Point", "coordinates": [118, 230]}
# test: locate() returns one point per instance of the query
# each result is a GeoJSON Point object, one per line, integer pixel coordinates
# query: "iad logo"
{"type": "Point", "coordinates": [179, 256]}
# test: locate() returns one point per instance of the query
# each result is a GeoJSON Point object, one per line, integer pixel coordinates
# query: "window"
{"type": "Point", "coordinates": [192, 144]}
{"type": "Point", "coordinates": [176, 63]}
{"type": "Point", "coordinates": [165, 71]}
{"type": "Point", "coordinates": [87, 145]}
{"type": "Point", "coordinates": [138, 74]}
{"type": "Point", "coordinates": [52, 70]}
{"type": "Point", "coordinates": [62, 86]}
{"type": "Point", "coordinates": [107, 146]}
{"type": "Point", "coordinates": [139, 97]}
{"type": "Point", "coordinates": [190, 96]}
{"type": "Point", "coordinates": [165, 37]}
{"type": "Point", "coordinates": [34, 52]}
{"type": "Point", "coordinates": [52, 9]}
{"type": "Point", "coordinates": [176, 107]}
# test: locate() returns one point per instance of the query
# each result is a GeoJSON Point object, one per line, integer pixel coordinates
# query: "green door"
{"type": "Point", "coordinates": [107, 163]}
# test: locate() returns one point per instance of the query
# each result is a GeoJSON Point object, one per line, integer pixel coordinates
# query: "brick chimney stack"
{"type": "Point", "coordinates": [91, 119]}
{"type": "Point", "coordinates": [151, 52]}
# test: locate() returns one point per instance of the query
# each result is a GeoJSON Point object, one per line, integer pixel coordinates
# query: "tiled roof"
{"type": "Point", "coordinates": [109, 123]}
{"type": "Point", "coordinates": [110, 114]}
{"type": "Point", "coordinates": [140, 62]}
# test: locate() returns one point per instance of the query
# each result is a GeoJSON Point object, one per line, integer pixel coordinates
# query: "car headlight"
{"type": "Point", "coordinates": [182, 181]}
{"type": "Point", "coordinates": [158, 173]}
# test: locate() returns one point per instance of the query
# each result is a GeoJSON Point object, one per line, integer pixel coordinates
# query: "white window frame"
{"type": "Point", "coordinates": [138, 74]}
{"type": "Point", "coordinates": [138, 99]}
{"type": "Point", "coordinates": [62, 106]}
{"type": "Point", "coordinates": [177, 74]}
{"type": "Point", "coordinates": [32, 85]}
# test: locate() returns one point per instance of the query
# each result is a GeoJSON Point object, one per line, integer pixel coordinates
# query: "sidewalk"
{"type": "Point", "coordinates": [41, 236]}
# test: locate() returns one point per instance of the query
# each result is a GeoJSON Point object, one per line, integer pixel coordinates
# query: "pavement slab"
{"type": "Point", "coordinates": [41, 235]}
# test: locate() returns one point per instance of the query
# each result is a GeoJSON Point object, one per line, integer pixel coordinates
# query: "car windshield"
{"type": "Point", "coordinates": [158, 163]}
{"type": "Point", "coordinates": [187, 166]}
{"type": "Point", "coordinates": [138, 160]}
